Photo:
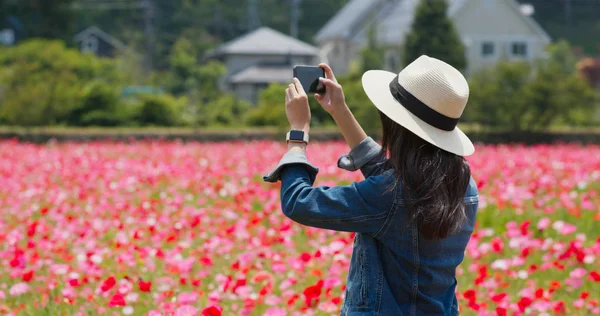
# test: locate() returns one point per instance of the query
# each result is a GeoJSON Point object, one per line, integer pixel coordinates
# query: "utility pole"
{"type": "Point", "coordinates": [253, 16]}
{"type": "Point", "coordinates": [149, 34]}
{"type": "Point", "coordinates": [568, 12]}
{"type": "Point", "coordinates": [295, 17]}
{"type": "Point", "coordinates": [218, 22]}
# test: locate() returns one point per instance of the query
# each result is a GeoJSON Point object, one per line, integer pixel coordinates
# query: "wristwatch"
{"type": "Point", "coordinates": [297, 136]}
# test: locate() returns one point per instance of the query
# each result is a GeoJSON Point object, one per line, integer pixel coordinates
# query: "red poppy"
{"type": "Point", "coordinates": [539, 293]}
{"type": "Point", "coordinates": [559, 307]}
{"type": "Point", "coordinates": [293, 299]}
{"type": "Point", "coordinates": [74, 282]}
{"type": "Point", "coordinates": [108, 284]}
{"type": "Point", "coordinates": [500, 311]}
{"type": "Point", "coordinates": [523, 303]}
{"type": "Point", "coordinates": [117, 300]}
{"type": "Point", "coordinates": [145, 286]}
{"type": "Point", "coordinates": [27, 276]}
{"type": "Point", "coordinates": [595, 276]}
{"type": "Point", "coordinates": [524, 226]}
{"type": "Point", "coordinates": [31, 229]}
{"type": "Point", "coordinates": [497, 245]}
{"type": "Point", "coordinates": [470, 295]}
{"type": "Point", "coordinates": [498, 297]}
{"type": "Point", "coordinates": [305, 257]}
{"type": "Point", "coordinates": [212, 311]}
{"type": "Point", "coordinates": [312, 293]}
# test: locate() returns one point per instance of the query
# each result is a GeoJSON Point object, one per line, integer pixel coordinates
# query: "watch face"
{"type": "Point", "coordinates": [297, 135]}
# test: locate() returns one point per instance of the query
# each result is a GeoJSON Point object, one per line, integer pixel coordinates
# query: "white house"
{"type": "Point", "coordinates": [490, 30]}
{"type": "Point", "coordinates": [259, 58]}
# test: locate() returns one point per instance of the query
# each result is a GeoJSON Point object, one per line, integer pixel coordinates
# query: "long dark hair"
{"type": "Point", "coordinates": [434, 181]}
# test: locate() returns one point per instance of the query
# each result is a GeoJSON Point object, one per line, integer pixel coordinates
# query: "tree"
{"type": "Point", "coordinates": [42, 81]}
{"type": "Point", "coordinates": [433, 34]}
{"type": "Point", "coordinates": [51, 19]}
{"type": "Point", "coordinates": [532, 97]}
{"type": "Point", "coordinates": [372, 56]}
{"type": "Point", "coordinates": [271, 109]}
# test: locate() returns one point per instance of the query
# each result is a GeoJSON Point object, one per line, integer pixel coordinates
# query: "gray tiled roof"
{"type": "Point", "coordinates": [263, 74]}
{"type": "Point", "coordinates": [266, 41]}
{"type": "Point", "coordinates": [395, 18]}
{"type": "Point", "coordinates": [352, 14]}
{"type": "Point", "coordinates": [94, 30]}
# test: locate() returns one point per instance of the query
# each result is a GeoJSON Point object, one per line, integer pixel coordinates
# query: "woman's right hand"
{"type": "Point", "coordinates": [333, 100]}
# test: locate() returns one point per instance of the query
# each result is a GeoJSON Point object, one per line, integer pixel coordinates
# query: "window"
{"type": "Point", "coordinates": [7, 37]}
{"type": "Point", "coordinates": [90, 45]}
{"type": "Point", "coordinates": [519, 49]}
{"type": "Point", "coordinates": [487, 49]}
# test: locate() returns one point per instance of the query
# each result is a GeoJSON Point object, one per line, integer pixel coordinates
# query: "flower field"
{"type": "Point", "coordinates": [166, 228]}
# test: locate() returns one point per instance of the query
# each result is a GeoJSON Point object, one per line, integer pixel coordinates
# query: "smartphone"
{"type": "Point", "coordinates": [309, 78]}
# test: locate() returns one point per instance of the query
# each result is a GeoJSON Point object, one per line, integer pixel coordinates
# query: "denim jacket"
{"type": "Point", "coordinates": [393, 270]}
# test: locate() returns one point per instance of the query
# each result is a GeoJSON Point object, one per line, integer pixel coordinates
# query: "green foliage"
{"type": "Point", "coordinates": [200, 83]}
{"type": "Point", "coordinates": [206, 22]}
{"type": "Point", "coordinates": [523, 96]}
{"type": "Point", "coordinates": [160, 110]}
{"type": "Point", "coordinates": [499, 95]}
{"type": "Point", "coordinates": [41, 81]}
{"type": "Point", "coordinates": [98, 108]}
{"type": "Point", "coordinates": [372, 56]}
{"type": "Point", "coordinates": [582, 31]}
{"type": "Point", "coordinates": [52, 19]}
{"type": "Point", "coordinates": [358, 102]}
{"type": "Point", "coordinates": [226, 110]}
{"type": "Point", "coordinates": [433, 34]}
{"type": "Point", "coordinates": [271, 108]}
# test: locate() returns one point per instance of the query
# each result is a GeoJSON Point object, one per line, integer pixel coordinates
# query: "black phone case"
{"type": "Point", "coordinates": [310, 84]}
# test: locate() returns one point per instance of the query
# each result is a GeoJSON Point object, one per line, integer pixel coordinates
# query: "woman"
{"type": "Point", "coordinates": [415, 211]}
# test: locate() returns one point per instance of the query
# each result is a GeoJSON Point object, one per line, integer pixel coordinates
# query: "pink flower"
{"type": "Point", "coordinates": [19, 289]}
{"type": "Point", "coordinates": [186, 310]}
{"type": "Point", "coordinates": [187, 298]}
{"type": "Point", "coordinates": [275, 311]}
{"type": "Point", "coordinates": [543, 223]}
{"type": "Point", "coordinates": [578, 273]}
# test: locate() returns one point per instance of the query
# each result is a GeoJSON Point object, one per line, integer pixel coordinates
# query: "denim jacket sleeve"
{"type": "Point", "coordinates": [359, 207]}
{"type": "Point", "coordinates": [366, 156]}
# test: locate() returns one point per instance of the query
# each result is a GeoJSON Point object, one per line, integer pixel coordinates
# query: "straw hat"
{"type": "Point", "coordinates": [427, 97]}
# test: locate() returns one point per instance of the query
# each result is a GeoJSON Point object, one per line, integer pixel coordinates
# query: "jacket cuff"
{"type": "Point", "coordinates": [360, 155]}
{"type": "Point", "coordinates": [289, 159]}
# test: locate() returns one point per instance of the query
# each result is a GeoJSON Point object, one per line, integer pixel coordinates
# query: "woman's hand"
{"type": "Point", "coordinates": [334, 99]}
{"type": "Point", "coordinates": [296, 107]}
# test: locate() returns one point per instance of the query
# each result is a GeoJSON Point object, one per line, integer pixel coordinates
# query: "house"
{"type": "Point", "coordinates": [259, 58]}
{"type": "Point", "coordinates": [94, 40]}
{"type": "Point", "coordinates": [490, 30]}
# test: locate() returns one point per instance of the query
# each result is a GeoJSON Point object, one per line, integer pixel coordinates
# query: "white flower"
{"type": "Point", "coordinates": [522, 274]}
{"type": "Point", "coordinates": [128, 310]}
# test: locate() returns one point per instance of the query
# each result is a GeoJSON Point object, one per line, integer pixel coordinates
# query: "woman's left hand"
{"type": "Point", "coordinates": [296, 106]}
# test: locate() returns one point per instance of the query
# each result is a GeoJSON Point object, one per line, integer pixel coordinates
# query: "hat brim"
{"type": "Point", "coordinates": [376, 86]}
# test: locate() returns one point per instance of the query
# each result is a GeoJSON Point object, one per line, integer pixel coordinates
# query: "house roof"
{"type": "Point", "coordinates": [395, 16]}
{"type": "Point", "coordinates": [263, 74]}
{"type": "Point", "coordinates": [355, 12]}
{"type": "Point", "coordinates": [94, 30]}
{"type": "Point", "coordinates": [265, 41]}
